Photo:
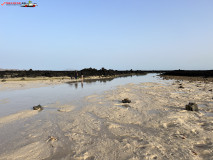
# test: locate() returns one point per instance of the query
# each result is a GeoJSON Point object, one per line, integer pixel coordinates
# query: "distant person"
{"type": "Point", "coordinates": [76, 75]}
{"type": "Point", "coordinates": [82, 80]}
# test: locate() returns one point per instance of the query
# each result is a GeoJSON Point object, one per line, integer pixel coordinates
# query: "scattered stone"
{"type": "Point", "coordinates": [191, 107]}
{"type": "Point", "coordinates": [194, 152]}
{"type": "Point", "coordinates": [51, 139]}
{"type": "Point", "coordinates": [3, 80]}
{"type": "Point", "coordinates": [38, 107]}
{"type": "Point", "coordinates": [126, 100]}
{"type": "Point", "coordinates": [22, 79]}
{"type": "Point", "coordinates": [180, 86]}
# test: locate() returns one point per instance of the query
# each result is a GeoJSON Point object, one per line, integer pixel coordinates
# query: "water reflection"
{"type": "Point", "coordinates": [104, 81]}
{"type": "Point", "coordinates": [82, 84]}
{"type": "Point", "coordinates": [76, 85]}
{"type": "Point", "coordinates": [89, 82]}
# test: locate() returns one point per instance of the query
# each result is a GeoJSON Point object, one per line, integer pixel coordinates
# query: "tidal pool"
{"type": "Point", "coordinates": [17, 100]}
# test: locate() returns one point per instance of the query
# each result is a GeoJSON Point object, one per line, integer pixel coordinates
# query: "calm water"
{"type": "Point", "coordinates": [18, 100]}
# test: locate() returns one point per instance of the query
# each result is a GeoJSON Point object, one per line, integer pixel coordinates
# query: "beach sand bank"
{"type": "Point", "coordinates": [154, 125]}
{"type": "Point", "coordinates": [26, 83]}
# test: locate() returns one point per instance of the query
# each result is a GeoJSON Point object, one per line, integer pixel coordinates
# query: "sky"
{"type": "Point", "coordinates": [114, 34]}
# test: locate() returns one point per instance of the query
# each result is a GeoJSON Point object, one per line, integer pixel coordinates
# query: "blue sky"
{"type": "Point", "coordinates": [115, 34]}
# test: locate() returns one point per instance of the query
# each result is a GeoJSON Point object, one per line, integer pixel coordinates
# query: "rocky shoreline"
{"type": "Point", "coordinates": [187, 78]}
{"type": "Point", "coordinates": [30, 75]}
{"type": "Point", "coordinates": [85, 72]}
{"type": "Point", "coordinates": [190, 73]}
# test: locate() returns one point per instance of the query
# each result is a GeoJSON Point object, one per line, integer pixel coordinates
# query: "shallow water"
{"type": "Point", "coordinates": [18, 100]}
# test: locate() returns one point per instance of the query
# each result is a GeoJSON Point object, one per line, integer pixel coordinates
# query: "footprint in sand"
{"type": "Point", "coordinates": [204, 149]}
{"type": "Point", "coordinates": [169, 125]}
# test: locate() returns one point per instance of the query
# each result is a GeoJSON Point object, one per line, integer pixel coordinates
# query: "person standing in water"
{"type": "Point", "coordinates": [76, 75]}
{"type": "Point", "coordinates": [82, 80]}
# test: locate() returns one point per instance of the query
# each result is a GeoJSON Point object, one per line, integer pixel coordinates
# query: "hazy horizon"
{"type": "Point", "coordinates": [119, 35]}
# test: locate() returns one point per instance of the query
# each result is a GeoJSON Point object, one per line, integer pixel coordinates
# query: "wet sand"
{"type": "Point", "coordinates": [154, 125]}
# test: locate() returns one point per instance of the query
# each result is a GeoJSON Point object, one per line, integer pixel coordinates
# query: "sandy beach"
{"type": "Point", "coordinates": [155, 125]}
{"type": "Point", "coordinates": [26, 83]}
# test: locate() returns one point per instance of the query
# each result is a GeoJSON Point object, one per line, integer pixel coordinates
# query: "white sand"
{"type": "Point", "coordinates": [17, 83]}
{"type": "Point", "coordinates": [154, 126]}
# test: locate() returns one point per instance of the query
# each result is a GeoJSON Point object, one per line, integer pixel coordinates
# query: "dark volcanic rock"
{"type": "Point", "coordinates": [190, 73]}
{"type": "Point", "coordinates": [86, 72]}
{"type": "Point", "coordinates": [192, 107]}
{"type": "Point", "coordinates": [126, 100]}
{"type": "Point", "coordinates": [180, 86]}
{"type": "Point", "coordinates": [38, 107]}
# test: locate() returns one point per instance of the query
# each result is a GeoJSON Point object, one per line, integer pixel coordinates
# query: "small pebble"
{"type": "Point", "coordinates": [52, 139]}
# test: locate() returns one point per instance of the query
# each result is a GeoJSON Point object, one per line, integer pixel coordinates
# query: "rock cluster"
{"type": "Point", "coordinates": [191, 107]}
